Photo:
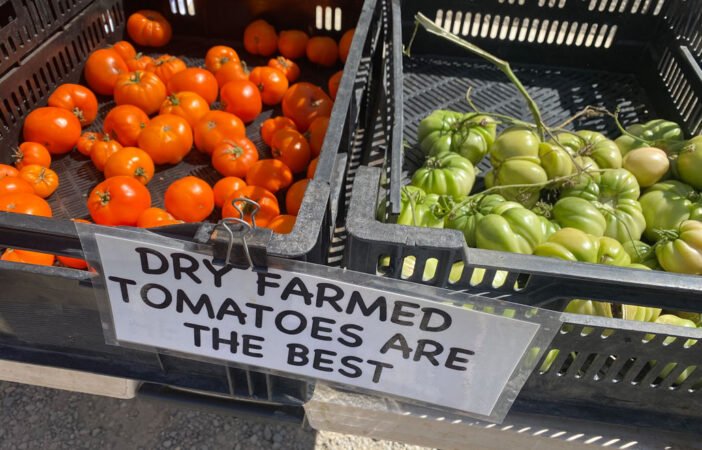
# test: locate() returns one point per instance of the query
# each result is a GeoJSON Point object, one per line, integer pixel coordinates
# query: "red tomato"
{"type": "Point", "coordinates": [233, 157]}
{"type": "Point", "coordinates": [149, 28]}
{"type": "Point", "coordinates": [287, 67]}
{"type": "Point", "coordinates": [165, 66]}
{"type": "Point", "coordinates": [268, 207]}
{"type": "Point", "coordinates": [102, 69]}
{"type": "Point", "coordinates": [124, 124]}
{"type": "Point", "coordinates": [156, 217]}
{"type": "Point", "coordinates": [292, 43]}
{"type": "Point", "coordinates": [232, 71]}
{"type": "Point", "coordinates": [118, 201]}
{"type": "Point", "coordinates": [225, 187]}
{"type": "Point", "coordinates": [271, 82]}
{"type": "Point", "coordinates": [25, 203]}
{"type": "Point", "coordinates": [167, 139]}
{"type": "Point", "coordinates": [219, 55]}
{"type": "Point", "coordinates": [195, 80]}
{"type": "Point", "coordinates": [31, 153]}
{"type": "Point", "coordinates": [125, 50]}
{"type": "Point", "coordinates": [293, 198]}
{"type": "Point", "coordinates": [74, 263]}
{"type": "Point", "coordinates": [10, 185]}
{"type": "Point", "coordinates": [322, 50]}
{"type": "Point", "coordinates": [214, 127]}
{"type": "Point", "coordinates": [315, 134]}
{"type": "Point", "coordinates": [44, 181]}
{"type": "Point", "coordinates": [77, 99]}
{"type": "Point", "coordinates": [55, 128]}
{"type": "Point", "coordinates": [28, 257]}
{"type": "Point", "coordinates": [271, 174]}
{"type": "Point", "coordinates": [8, 171]}
{"type": "Point", "coordinates": [102, 150]}
{"type": "Point", "coordinates": [345, 44]}
{"type": "Point", "coordinates": [334, 84]}
{"type": "Point", "coordinates": [142, 89]}
{"type": "Point", "coordinates": [130, 161]}
{"type": "Point", "coordinates": [189, 199]}
{"type": "Point", "coordinates": [188, 105]}
{"type": "Point", "coordinates": [270, 126]}
{"type": "Point", "coordinates": [305, 101]}
{"type": "Point", "coordinates": [282, 224]}
{"type": "Point", "coordinates": [139, 62]}
{"type": "Point", "coordinates": [243, 99]}
{"type": "Point", "coordinates": [291, 147]}
{"type": "Point", "coordinates": [260, 38]}
{"type": "Point", "coordinates": [312, 168]}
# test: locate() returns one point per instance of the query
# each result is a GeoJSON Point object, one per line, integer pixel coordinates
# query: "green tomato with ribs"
{"type": "Point", "coordinates": [466, 217]}
{"type": "Point", "coordinates": [572, 244]}
{"type": "Point", "coordinates": [445, 174]}
{"type": "Point", "coordinates": [688, 163]}
{"type": "Point", "coordinates": [667, 204]}
{"type": "Point", "coordinates": [680, 250]}
{"type": "Point", "coordinates": [657, 133]}
{"type": "Point", "coordinates": [604, 152]}
{"type": "Point", "coordinates": [469, 135]}
{"type": "Point", "coordinates": [420, 209]}
{"type": "Point", "coordinates": [512, 228]}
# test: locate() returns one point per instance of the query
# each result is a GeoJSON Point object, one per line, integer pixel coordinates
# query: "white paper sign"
{"type": "Point", "coordinates": [310, 325]}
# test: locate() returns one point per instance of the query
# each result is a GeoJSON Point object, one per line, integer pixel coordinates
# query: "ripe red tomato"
{"type": "Point", "coordinates": [102, 69]}
{"type": "Point", "coordinates": [118, 201]}
{"type": "Point", "coordinates": [156, 217]}
{"type": "Point", "coordinates": [124, 124]}
{"type": "Point", "coordinates": [165, 66]}
{"type": "Point", "coordinates": [270, 126]}
{"type": "Point", "coordinates": [102, 150]}
{"type": "Point", "coordinates": [8, 171]}
{"type": "Point", "coordinates": [28, 257]}
{"type": "Point", "coordinates": [10, 185]}
{"type": "Point", "coordinates": [286, 66]}
{"type": "Point", "coordinates": [303, 102]}
{"type": "Point", "coordinates": [139, 62]}
{"type": "Point", "coordinates": [214, 127]}
{"type": "Point", "coordinates": [167, 139]}
{"type": "Point", "coordinates": [233, 157]}
{"type": "Point", "coordinates": [231, 71]}
{"type": "Point", "coordinates": [345, 44]}
{"type": "Point", "coordinates": [31, 153]}
{"type": "Point", "coordinates": [219, 55]}
{"type": "Point", "coordinates": [77, 99]}
{"type": "Point", "coordinates": [312, 168]}
{"type": "Point", "coordinates": [271, 82]}
{"type": "Point", "coordinates": [241, 98]}
{"type": "Point", "coordinates": [268, 207]}
{"type": "Point", "coordinates": [225, 187]}
{"type": "Point", "coordinates": [55, 128]}
{"type": "Point", "coordinates": [334, 84]}
{"type": "Point", "coordinates": [188, 105]}
{"type": "Point", "coordinates": [74, 263]}
{"type": "Point", "coordinates": [142, 89]}
{"type": "Point", "coordinates": [271, 174]}
{"type": "Point", "coordinates": [292, 43]}
{"type": "Point", "coordinates": [132, 162]}
{"type": "Point", "coordinates": [43, 180]}
{"type": "Point", "coordinates": [25, 203]}
{"type": "Point", "coordinates": [125, 50]}
{"type": "Point", "coordinates": [196, 80]}
{"type": "Point", "coordinates": [293, 198]}
{"type": "Point", "coordinates": [260, 38]}
{"type": "Point", "coordinates": [149, 28]}
{"type": "Point", "coordinates": [189, 199]}
{"type": "Point", "coordinates": [322, 50]}
{"type": "Point", "coordinates": [283, 224]}
{"type": "Point", "coordinates": [292, 148]}
{"type": "Point", "coordinates": [315, 134]}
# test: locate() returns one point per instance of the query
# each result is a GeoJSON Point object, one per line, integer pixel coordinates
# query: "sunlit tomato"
{"type": "Point", "coordinates": [270, 126]}
{"type": "Point", "coordinates": [28, 257]}
{"type": "Point", "coordinates": [219, 55]}
{"type": "Point", "coordinates": [132, 162]}
{"type": "Point", "coordinates": [225, 187]}
{"type": "Point", "coordinates": [156, 217]}
{"type": "Point", "coordinates": [86, 141]}
{"type": "Point", "coordinates": [118, 201]}
{"type": "Point", "coordinates": [124, 124]}
{"type": "Point", "coordinates": [149, 28]}
{"type": "Point", "coordinates": [312, 168]}
{"type": "Point", "coordinates": [322, 50]}
{"type": "Point", "coordinates": [189, 199]}
{"type": "Point", "coordinates": [268, 207]}
{"type": "Point", "coordinates": [77, 99]}
{"type": "Point", "coordinates": [55, 128]}
{"type": "Point", "coordinates": [345, 44]}
{"type": "Point", "coordinates": [124, 49]}
{"type": "Point", "coordinates": [101, 151]}
{"type": "Point", "coordinates": [286, 66]}
{"type": "Point", "coordinates": [292, 43]}
{"type": "Point", "coordinates": [271, 82]}
{"type": "Point", "coordinates": [260, 38]}
{"type": "Point", "coordinates": [232, 71]}
{"type": "Point", "coordinates": [167, 139]}
{"type": "Point", "coordinates": [282, 224]}
{"type": "Point", "coordinates": [214, 127]}
{"type": "Point", "coordinates": [73, 263]}
{"type": "Point", "coordinates": [139, 62]}
{"type": "Point", "coordinates": [165, 66]}
{"type": "Point", "coordinates": [334, 81]}
{"type": "Point", "coordinates": [293, 198]}
{"type": "Point", "coordinates": [271, 174]}
{"type": "Point", "coordinates": [43, 180]}
{"type": "Point", "coordinates": [241, 98]}
{"type": "Point", "coordinates": [292, 148]}
{"type": "Point", "coordinates": [315, 134]}
{"type": "Point", "coordinates": [25, 203]}
{"type": "Point", "coordinates": [233, 157]}
{"type": "Point", "coordinates": [142, 89]}
{"type": "Point", "coordinates": [303, 102]}
{"type": "Point", "coordinates": [188, 105]}
{"type": "Point", "coordinates": [9, 185]}
{"type": "Point", "coordinates": [102, 69]}
{"type": "Point", "coordinates": [8, 171]}
{"type": "Point", "coordinates": [196, 80]}
{"type": "Point", "coordinates": [31, 153]}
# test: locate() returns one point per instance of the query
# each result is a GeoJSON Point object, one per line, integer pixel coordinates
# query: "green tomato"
{"type": "Point", "coordinates": [445, 174]}
{"type": "Point", "coordinates": [515, 142]}
{"type": "Point", "coordinates": [466, 218]}
{"type": "Point", "coordinates": [470, 135]}
{"type": "Point", "coordinates": [642, 254]}
{"type": "Point", "coordinates": [640, 313]}
{"type": "Point", "coordinates": [576, 212]}
{"type": "Point", "coordinates": [574, 245]}
{"type": "Point", "coordinates": [419, 209]}
{"type": "Point", "coordinates": [659, 133]}
{"type": "Point", "coordinates": [407, 192]}
{"type": "Point", "coordinates": [590, 308]}
{"type": "Point", "coordinates": [519, 171]}
{"type": "Point", "coordinates": [555, 160]}
{"type": "Point", "coordinates": [667, 204]}
{"type": "Point", "coordinates": [594, 145]}
{"type": "Point", "coordinates": [689, 162]}
{"type": "Point", "coordinates": [648, 164]}
{"type": "Point", "coordinates": [511, 228]}
{"type": "Point", "coordinates": [681, 250]}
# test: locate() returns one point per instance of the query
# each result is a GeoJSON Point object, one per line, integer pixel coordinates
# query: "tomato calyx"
{"type": "Point", "coordinates": [223, 60]}
{"type": "Point", "coordinates": [276, 152]}
{"type": "Point", "coordinates": [104, 197]}
{"type": "Point", "coordinates": [543, 209]}
{"type": "Point", "coordinates": [173, 100]}
{"type": "Point", "coordinates": [166, 128]}
{"type": "Point", "coordinates": [139, 172]}
{"type": "Point", "coordinates": [139, 55]}
{"type": "Point", "coordinates": [17, 155]}
{"type": "Point", "coordinates": [260, 86]}
{"type": "Point", "coordinates": [211, 125]}
{"type": "Point", "coordinates": [666, 236]}
{"type": "Point", "coordinates": [235, 151]}
{"type": "Point", "coordinates": [79, 114]}
{"type": "Point", "coordinates": [41, 177]}
{"type": "Point", "coordinates": [283, 62]}
{"type": "Point", "coordinates": [135, 78]}
{"type": "Point", "coordinates": [105, 138]}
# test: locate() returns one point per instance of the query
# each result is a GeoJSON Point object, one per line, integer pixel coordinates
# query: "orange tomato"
{"type": "Point", "coordinates": [293, 198]}
{"type": "Point", "coordinates": [55, 128]}
{"type": "Point", "coordinates": [315, 134]}
{"type": "Point", "coordinates": [139, 62]}
{"type": "Point", "coordinates": [73, 263]}
{"type": "Point", "coordinates": [165, 66]}
{"type": "Point", "coordinates": [303, 102]}
{"type": "Point", "coordinates": [31, 153]}
{"type": "Point", "coordinates": [77, 99]}
{"type": "Point", "coordinates": [118, 201]}
{"type": "Point", "coordinates": [156, 217]}
{"type": "Point", "coordinates": [270, 126]}
{"type": "Point", "coordinates": [334, 81]}
{"type": "Point", "coordinates": [271, 82]}
{"type": "Point", "coordinates": [86, 141]}
{"type": "Point", "coordinates": [124, 124]}
{"type": "Point", "coordinates": [167, 139]}
{"type": "Point", "coordinates": [286, 66]}
{"type": "Point", "coordinates": [268, 207]}
{"type": "Point", "coordinates": [260, 38]}
{"type": "Point", "coordinates": [231, 71]}
{"type": "Point", "coordinates": [125, 50]}
{"type": "Point", "coordinates": [214, 127]}
{"type": "Point", "coordinates": [28, 257]}
{"type": "Point", "coordinates": [101, 151]}
{"type": "Point", "coordinates": [195, 80]}
{"type": "Point", "coordinates": [292, 43]}
{"type": "Point", "coordinates": [282, 224]}
{"type": "Point", "coordinates": [292, 148]}
{"type": "Point", "coordinates": [8, 171]}
{"type": "Point", "coordinates": [312, 168]}
{"type": "Point", "coordinates": [189, 199]}
{"type": "Point", "coordinates": [9, 185]}
{"type": "Point", "coordinates": [219, 55]}
{"type": "Point", "coordinates": [225, 187]}
{"type": "Point", "coordinates": [188, 105]}
{"type": "Point", "coordinates": [25, 203]}
{"type": "Point", "coordinates": [322, 50]}
{"type": "Point", "coordinates": [345, 44]}
{"type": "Point", "coordinates": [241, 98]}
{"type": "Point", "coordinates": [44, 181]}
{"type": "Point", "coordinates": [149, 28]}
{"type": "Point", "coordinates": [132, 162]}
{"type": "Point", "coordinates": [142, 89]}
{"type": "Point", "coordinates": [233, 157]}
{"type": "Point", "coordinates": [102, 69]}
{"type": "Point", "coordinates": [271, 174]}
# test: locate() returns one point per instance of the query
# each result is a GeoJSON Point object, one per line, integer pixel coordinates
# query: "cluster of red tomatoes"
{"type": "Point", "coordinates": [163, 110]}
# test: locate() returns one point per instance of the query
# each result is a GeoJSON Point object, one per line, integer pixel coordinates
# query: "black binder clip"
{"type": "Point", "coordinates": [238, 243]}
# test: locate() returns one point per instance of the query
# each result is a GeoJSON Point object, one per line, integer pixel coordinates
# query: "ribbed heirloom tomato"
{"type": "Point", "coordinates": [156, 217]}
{"type": "Point", "coordinates": [292, 43]}
{"type": "Point", "coordinates": [10, 185]}
{"type": "Point", "coordinates": [102, 150]}
{"type": "Point", "coordinates": [334, 84]}
{"type": "Point", "coordinates": [291, 147]}
{"type": "Point", "coordinates": [260, 38]}
{"type": "Point", "coordinates": [167, 139]}
{"type": "Point", "coordinates": [225, 187]}
{"type": "Point", "coordinates": [268, 207]}
{"type": "Point", "coordinates": [55, 128]}
{"type": "Point", "coordinates": [25, 203]}
{"type": "Point", "coordinates": [118, 201]}
{"type": "Point", "coordinates": [231, 71]}
{"type": "Point", "coordinates": [293, 198]}
{"type": "Point", "coordinates": [188, 105]}
{"type": "Point", "coordinates": [271, 174]}
{"type": "Point", "coordinates": [74, 263]}
{"type": "Point", "coordinates": [77, 99]}
{"type": "Point", "coordinates": [102, 69]}
{"type": "Point", "coordinates": [31, 153]}
{"type": "Point", "coordinates": [214, 127]}
{"type": "Point", "coordinates": [28, 257]}
{"type": "Point", "coordinates": [124, 49]}
{"type": "Point", "coordinates": [286, 66]}
{"type": "Point", "coordinates": [189, 199]}
{"type": "Point", "coordinates": [315, 134]}
{"type": "Point", "coordinates": [8, 171]}
{"type": "Point", "coordinates": [44, 181]}
{"type": "Point", "coordinates": [165, 66]}
{"type": "Point", "coordinates": [322, 50]}
{"type": "Point", "coordinates": [303, 102]}
{"type": "Point", "coordinates": [149, 28]}
{"type": "Point", "coordinates": [139, 62]}
{"type": "Point", "coordinates": [270, 126]}
{"type": "Point", "coordinates": [234, 157]}
{"type": "Point", "coordinates": [219, 55]}
{"type": "Point", "coordinates": [130, 161]}
{"type": "Point", "coordinates": [241, 98]}
{"type": "Point", "coordinates": [283, 224]}
{"type": "Point", "coordinates": [345, 44]}
{"type": "Point", "coordinates": [196, 80]}
{"type": "Point", "coordinates": [271, 82]}
{"type": "Point", "coordinates": [124, 124]}
{"type": "Point", "coordinates": [141, 89]}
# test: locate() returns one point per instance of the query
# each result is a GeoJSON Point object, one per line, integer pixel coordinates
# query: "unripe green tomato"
{"type": "Point", "coordinates": [667, 204]}
{"type": "Point", "coordinates": [520, 171]}
{"type": "Point", "coordinates": [647, 164]}
{"type": "Point", "coordinates": [445, 174]}
{"type": "Point", "coordinates": [689, 163]}
{"type": "Point", "coordinates": [515, 142]}
{"type": "Point", "coordinates": [578, 213]}
{"type": "Point", "coordinates": [555, 161]}
{"type": "Point", "coordinates": [682, 253]}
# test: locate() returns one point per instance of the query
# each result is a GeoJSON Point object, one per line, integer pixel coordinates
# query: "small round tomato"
{"type": "Point", "coordinates": [44, 181]}
{"type": "Point", "coordinates": [270, 126]}
{"type": "Point", "coordinates": [167, 139]}
{"type": "Point", "coordinates": [231, 71]}
{"type": "Point", "coordinates": [214, 127]}
{"type": "Point", "coordinates": [322, 50]}
{"type": "Point", "coordinates": [132, 162]}
{"type": "Point", "coordinates": [165, 66]}
{"type": "Point", "coordinates": [260, 38]}
{"type": "Point", "coordinates": [219, 55]}
{"type": "Point", "coordinates": [233, 157]}
{"type": "Point", "coordinates": [303, 102]}
{"type": "Point", "coordinates": [118, 201]}
{"type": "Point", "coordinates": [312, 168]}
{"type": "Point", "coordinates": [141, 89]}
{"type": "Point", "coordinates": [86, 141]}
{"type": "Point", "coordinates": [271, 82]}
{"type": "Point", "coordinates": [283, 224]}
{"type": "Point", "coordinates": [74, 263]}
{"type": "Point", "coordinates": [10, 185]}
{"type": "Point", "coordinates": [25, 203]}
{"type": "Point", "coordinates": [156, 217]}
{"type": "Point", "coordinates": [102, 150]}
{"type": "Point", "coordinates": [189, 199]}
{"type": "Point", "coordinates": [139, 62]}
{"type": "Point", "coordinates": [266, 211]}
{"type": "Point", "coordinates": [102, 69]}
{"type": "Point", "coordinates": [241, 98]}
{"type": "Point", "coordinates": [225, 187]}
{"type": "Point", "coordinates": [124, 124]}
{"type": "Point", "coordinates": [334, 84]}
{"type": "Point", "coordinates": [196, 80]}
{"type": "Point", "coordinates": [125, 50]}
{"type": "Point", "coordinates": [292, 43]}
{"type": "Point", "coordinates": [31, 153]}
{"type": "Point", "coordinates": [55, 128]}
{"type": "Point", "coordinates": [292, 148]}
{"type": "Point", "coordinates": [188, 105]}
{"type": "Point", "coordinates": [149, 28]}
{"type": "Point", "coordinates": [286, 66]}
{"type": "Point", "coordinates": [315, 134]}
{"type": "Point", "coordinates": [271, 174]}
{"type": "Point", "coordinates": [345, 44]}
{"type": "Point", "coordinates": [77, 99]}
{"type": "Point", "coordinates": [8, 171]}
{"type": "Point", "coordinates": [28, 257]}
{"type": "Point", "coordinates": [293, 198]}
